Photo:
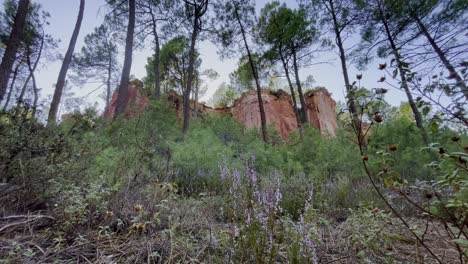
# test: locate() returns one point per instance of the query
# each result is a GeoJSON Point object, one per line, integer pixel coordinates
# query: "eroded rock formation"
{"type": "Point", "coordinates": [321, 111]}
{"type": "Point", "coordinates": [278, 109]}
{"type": "Point", "coordinates": [135, 101]}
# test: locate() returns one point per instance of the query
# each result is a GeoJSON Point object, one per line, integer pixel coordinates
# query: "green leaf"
{"type": "Point", "coordinates": [426, 110]}
{"type": "Point", "coordinates": [434, 126]}
{"type": "Point", "coordinates": [461, 241]}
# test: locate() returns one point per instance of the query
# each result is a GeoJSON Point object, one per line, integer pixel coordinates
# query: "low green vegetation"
{"type": "Point", "coordinates": [218, 189]}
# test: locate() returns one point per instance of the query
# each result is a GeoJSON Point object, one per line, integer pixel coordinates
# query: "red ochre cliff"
{"type": "Point", "coordinates": [278, 109]}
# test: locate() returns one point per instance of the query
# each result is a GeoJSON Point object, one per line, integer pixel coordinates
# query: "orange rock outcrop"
{"type": "Point", "coordinates": [135, 101]}
{"type": "Point", "coordinates": [278, 107]}
{"type": "Point", "coordinates": [278, 111]}
{"type": "Point", "coordinates": [321, 111]}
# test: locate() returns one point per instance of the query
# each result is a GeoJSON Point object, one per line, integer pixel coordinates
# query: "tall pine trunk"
{"type": "Point", "coordinates": [108, 83]}
{"type": "Point", "coordinates": [36, 95]}
{"type": "Point", "coordinates": [157, 49]}
{"type": "Point", "coordinates": [344, 68]}
{"type": "Point", "coordinates": [293, 94]}
{"type": "Point", "coordinates": [441, 55]}
{"type": "Point", "coordinates": [404, 82]}
{"type": "Point", "coordinates": [32, 68]}
{"type": "Point", "coordinates": [127, 66]}
{"type": "Point", "coordinates": [257, 82]}
{"type": "Point", "coordinates": [197, 89]}
{"type": "Point", "coordinates": [54, 106]}
{"type": "Point", "coordinates": [13, 43]}
{"type": "Point", "coordinates": [305, 114]}
{"type": "Point", "coordinates": [190, 69]}
{"type": "Point", "coordinates": [12, 84]}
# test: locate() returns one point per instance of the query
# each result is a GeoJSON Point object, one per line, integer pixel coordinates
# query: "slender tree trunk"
{"type": "Point", "coordinates": [20, 98]}
{"type": "Point", "coordinates": [36, 95]}
{"type": "Point", "coordinates": [12, 85]}
{"type": "Point", "coordinates": [157, 77]}
{"type": "Point", "coordinates": [125, 78]}
{"type": "Point", "coordinates": [108, 83]}
{"type": "Point", "coordinates": [157, 49]}
{"type": "Point", "coordinates": [32, 68]}
{"type": "Point", "coordinates": [342, 54]}
{"type": "Point", "coordinates": [305, 114]}
{"type": "Point", "coordinates": [257, 82]}
{"type": "Point", "coordinates": [442, 56]}
{"type": "Point", "coordinates": [293, 95]}
{"type": "Point", "coordinates": [190, 73]}
{"type": "Point", "coordinates": [13, 43]}
{"type": "Point", "coordinates": [404, 82]}
{"type": "Point", "coordinates": [52, 119]}
{"type": "Point", "coordinates": [197, 88]}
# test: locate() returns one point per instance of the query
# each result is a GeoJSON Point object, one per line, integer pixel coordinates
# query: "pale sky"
{"type": "Point", "coordinates": [63, 17]}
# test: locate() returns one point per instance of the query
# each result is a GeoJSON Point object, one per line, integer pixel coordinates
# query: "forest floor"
{"type": "Point", "coordinates": [194, 235]}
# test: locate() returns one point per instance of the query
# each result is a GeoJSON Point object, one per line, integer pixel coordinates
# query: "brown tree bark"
{"type": "Point", "coordinates": [257, 82]}
{"type": "Point", "coordinates": [32, 68]}
{"type": "Point", "coordinates": [52, 119]}
{"type": "Point", "coordinates": [344, 66]}
{"type": "Point", "coordinates": [157, 49]}
{"type": "Point", "coordinates": [305, 114]}
{"type": "Point", "coordinates": [293, 95]}
{"type": "Point", "coordinates": [127, 66]}
{"type": "Point", "coordinates": [442, 56]}
{"type": "Point", "coordinates": [404, 82]}
{"type": "Point", "coordinates": [12, 84]}
{"type": "Point", "coordinates": [13, 43]}
{"type": "Point", "coordinates": [190, 70]}
{"type": "Point", "coordinates": [108, 83]}
{"type": "Point", "coordinates": [199, 9]}
{"type": "Point", "coordinates": [197, 89]}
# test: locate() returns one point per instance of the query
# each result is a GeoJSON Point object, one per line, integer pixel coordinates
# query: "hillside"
{"type": "Point", "coordinates": [336, 131]}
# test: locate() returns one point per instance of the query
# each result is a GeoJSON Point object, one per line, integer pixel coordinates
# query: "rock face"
{"type": "Point", "coordinates": [135, 101]}
{"type": "Point", "coordinates": [321, 111]}
{"type": "Point", "coordinates": [278, 107]}
{"type": "Point", "coordinates": [278, 111]}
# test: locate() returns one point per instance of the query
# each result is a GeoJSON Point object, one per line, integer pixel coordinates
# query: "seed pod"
{"type": "Point", "coordinates": [378, 118]}
{"type": "Point", "coordinates": [382, 66]}
{"type": "Point", "coordinates": [441, 150]}
{"type": "Point", "coordinates": [365, 158]}
{"type": "Point", "coordinates": [429, 195]}
{"type": "Point", "coordinates": [452, 75]}
{"type": "Point", "coordinates": [392, 148]}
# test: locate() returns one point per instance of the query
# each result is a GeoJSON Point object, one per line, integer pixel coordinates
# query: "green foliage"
{"type": "Point", "coordinates": [367, 224]}
{"type": "Point", "coordinates": [224, 96]}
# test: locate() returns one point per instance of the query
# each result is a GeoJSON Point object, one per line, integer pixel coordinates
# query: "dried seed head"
{"type": "Point", "coordinates": [365, 158]}
{"type": "Point", "coordinates": [359, 76]}
{"type": "Point", "coordinates": [452, 75]}
{"type": "Point", "coordinates": [441, 150]}
{"type": "Point", "coordinates": [392, 148]}
{"type": "Point", "coordinates": [455, 138]}
{"type": "Point", "coordinates": [429, 195]}
{"type": "Point", "coordinates": [138, 208]}
{"type": "Point", "coordinates": [382, 66]}
{"type": "Point", "coordinates": [378, 118]}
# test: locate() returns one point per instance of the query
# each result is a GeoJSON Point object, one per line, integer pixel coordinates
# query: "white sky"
{"type": "Point", "coordinates": [63, 18]}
